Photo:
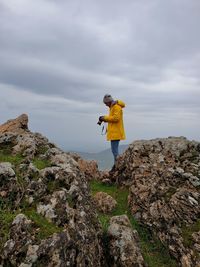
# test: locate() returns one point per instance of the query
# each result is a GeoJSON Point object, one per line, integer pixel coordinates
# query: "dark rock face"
{"type": "Point", "coordinates": [52, 218]}
{"type": "Point", "coordinates": [164, 180]}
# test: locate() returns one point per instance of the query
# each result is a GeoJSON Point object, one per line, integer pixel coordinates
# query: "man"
{"type": "Point", "coordinates": [115, 131]}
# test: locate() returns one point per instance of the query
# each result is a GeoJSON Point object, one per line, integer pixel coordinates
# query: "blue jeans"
{"type": "Point", "coordinates": [115, 148]}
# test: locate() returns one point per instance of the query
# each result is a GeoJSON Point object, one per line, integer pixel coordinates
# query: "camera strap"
{"type": "Point", "coordinates": [104, 129]}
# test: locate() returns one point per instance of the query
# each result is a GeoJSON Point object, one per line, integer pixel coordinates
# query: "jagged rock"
{"type": "Point", "coordinates": [105, 177]}
{"type": "Point", "coordinates": [106, 181]}
{"type": "Point", "coordinates": [57, 195]}
{"type": "Point", "coordinates": [67, 248]}
{"type": "Point", "coordinates": [20, 220]}
{"type": "Point", "coordinates": [29, 170]}
{"type": "Point", "coordinates": [104, 202]}
{"type": "Point", "coordinates": [163, 175]}
{"type": "Point", "coordinates": [30, 144]}
{"type": "Point", "coordinates": [18, 125]}
{"type": "Point", "coordinates": [124, 246]}
{"type": "Point", "coordinates": [59, 208]}
{"type": "Point", "coordinates": [9, 189]}
{"type": "Point", "coordinates": [63, 158]}
{"type": "Point", "coordinates": [3, 194]}
{"type": "Point", "coordinates": [27, 144]}
{"type": "Point", "coordinates": [6, 170]}
{"type": "Point", "coordinates": [47, 211]}
{"type": "Point", "coordinates": [31, 255]}
{"type": "Point", "coordinates": [20, 234]}
{"type": "Point", "coordinates": [196, 239]}
{"type": "Point", "coordinates": [88, 167]}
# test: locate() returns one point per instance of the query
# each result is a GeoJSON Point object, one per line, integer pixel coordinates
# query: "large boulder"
{"type": "Point", "coordinates": [164, 180]}
{"type": "Point", "coordinates": [18, 125]}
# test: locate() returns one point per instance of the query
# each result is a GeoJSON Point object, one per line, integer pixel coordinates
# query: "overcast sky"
{"type": "Point", "coordinates": [59, 57]}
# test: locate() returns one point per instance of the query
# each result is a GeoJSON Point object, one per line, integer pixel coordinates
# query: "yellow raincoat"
{"type": "Point", "coordinates": [115, 129]}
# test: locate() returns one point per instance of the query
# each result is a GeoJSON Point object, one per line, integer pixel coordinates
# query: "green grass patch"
{"type": "Point", "coordinates": [119, 194]}
{"type": "Point", "coordinates": [41, 163]}
{"type": "Point", "coordinates": [52, 185]}
{"type": "Point", "coordinates": [6, 156]}
{"type": "Point", "coordinates": [154, 252]}
{"type": "Point", "coordinates": [13, 159]}
{"type": "Point", "coordinates": [46, 228]}
{"type": "Point", "coordinates": [6, 219]}
{"type": "Point", "coordinates": [104, 220]}
{"type": "Point", "coordinates": [187, 232]}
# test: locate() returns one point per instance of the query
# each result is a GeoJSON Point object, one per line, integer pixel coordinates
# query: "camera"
{"type": "Point", "coordinates": [100, 120]}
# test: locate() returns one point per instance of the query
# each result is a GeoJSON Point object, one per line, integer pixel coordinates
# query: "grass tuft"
{"type": "Point", "coordinates": [41, 163]}
{"type": "Point", "coordinates": [13, 159]}
{"type": "Point", "coordinates": [187, 232]}
{"type": "Point", "coordinates": [45, 228]}
{"type": "Point", "coordinates": [6, 219]}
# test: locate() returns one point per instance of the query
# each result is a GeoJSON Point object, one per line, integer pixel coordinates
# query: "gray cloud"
{"type": "Point", "coordinates": [63, 56]}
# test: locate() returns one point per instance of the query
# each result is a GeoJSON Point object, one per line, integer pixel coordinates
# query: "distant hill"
{"type": "Point", "coordinates": [103, 158]}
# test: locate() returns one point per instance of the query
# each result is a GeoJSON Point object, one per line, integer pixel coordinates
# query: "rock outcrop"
{"type": "Point", "coordinates": [164, 180]}
{"type": "Point", "coordinates": [18, 125]}
{"type": "Point", "coordinates": [46, 213]}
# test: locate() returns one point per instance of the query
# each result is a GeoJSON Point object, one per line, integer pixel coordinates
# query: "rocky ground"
{"type": "Point", "coordinates": [59, 210]}
{"type": "Point", "coordinates": [47, 214]}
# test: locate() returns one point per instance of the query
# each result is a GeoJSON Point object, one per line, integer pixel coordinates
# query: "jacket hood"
{"type": "Point", "coordinates": [121, 103]}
